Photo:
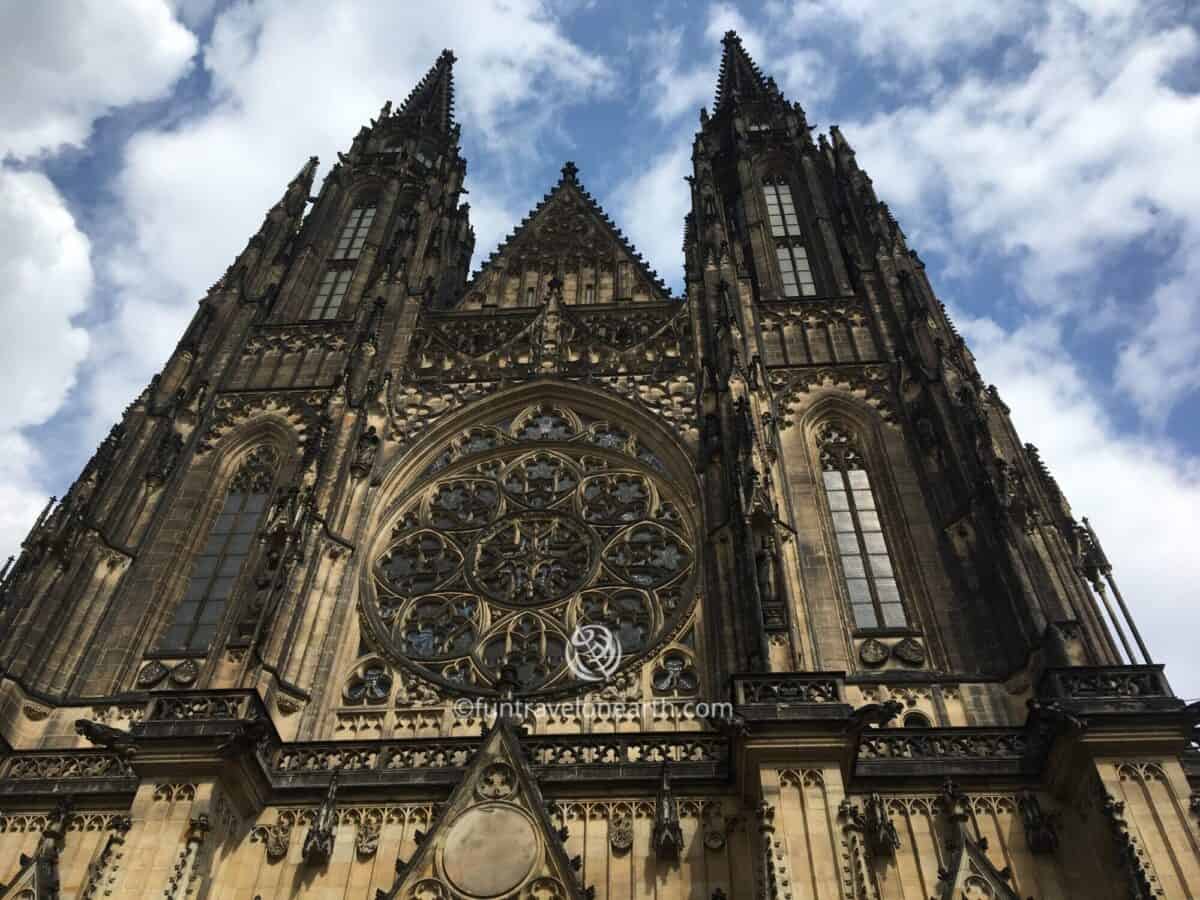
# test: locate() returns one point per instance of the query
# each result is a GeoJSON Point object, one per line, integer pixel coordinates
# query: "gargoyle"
{"type": "Point", "coordinates": [878, 714]}
{"type": "Point", "coordinates": [102, 736]}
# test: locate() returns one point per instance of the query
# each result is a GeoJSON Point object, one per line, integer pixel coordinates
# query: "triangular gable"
{"type": "Point", "coordinates": [968, 871]}
{"type": "Point", "coordinates": [567, 234]}
{"type": "Point", "coordinates": [493, 838]}
{"type": "Point", "coordinates": [37, 879]}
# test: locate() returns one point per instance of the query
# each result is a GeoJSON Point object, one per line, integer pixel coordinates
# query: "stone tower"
{"type": "Point", "coordinates": [539, 582]}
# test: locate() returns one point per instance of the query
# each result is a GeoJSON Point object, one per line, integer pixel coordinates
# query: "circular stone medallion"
{"type": "Point", "coordinates": [490, 850]}
{"type": "Point", "coordinates": [873, 653]}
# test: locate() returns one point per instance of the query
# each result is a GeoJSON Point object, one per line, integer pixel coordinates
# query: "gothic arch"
{"type": "Point", "coordinates": [209, 475]}
{"type": "Point", "coordinates": [881, 456]}
{"type": "Point", "coordinates": [595, 401]}
{"type": "Point", "coordinates": [542, 508]}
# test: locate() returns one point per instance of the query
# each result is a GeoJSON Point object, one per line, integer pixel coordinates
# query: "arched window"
{"type": "Point", "coordinates": [335, 281]}
{"type": "Point", "coordinates": [354, 232]}
{"type": "Point", "coordinates": [216, 571]}
{"type": "Point", "coordinates": [795, 272]}
{"type": "Point", "coordinates": [917, 720]}
{"type": "Point", "coordinates": [866, 563]}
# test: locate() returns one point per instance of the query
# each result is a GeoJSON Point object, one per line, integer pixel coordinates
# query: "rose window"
{"type": "Point", "coordinates": [521, 531]}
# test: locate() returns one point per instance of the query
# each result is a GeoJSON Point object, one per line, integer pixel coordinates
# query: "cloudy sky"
{"type": "Point", "coordinates": [1042, 157]}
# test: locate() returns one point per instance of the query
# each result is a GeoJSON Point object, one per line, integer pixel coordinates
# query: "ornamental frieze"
{"type": "Point", "coordinates": [871, 382]}
{"type": "Point", "coordinates": [302, 410]}
{"type": "Point", "coordinates": [653, 339]}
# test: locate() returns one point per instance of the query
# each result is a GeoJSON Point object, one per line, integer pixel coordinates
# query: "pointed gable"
{"type": "Point", "coordinates": [570, 237]}
{"type": "Point", "coordinates": [494, 837]}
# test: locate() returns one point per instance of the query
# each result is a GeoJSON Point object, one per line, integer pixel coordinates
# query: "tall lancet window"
{"type": "Point", "coordinates": [866, 563]}
{"type": "Point", "coordinates": [795, 273]}
{"type": "Point", "coordinates": [335, 281]}
{"type": "Point", "coordinates": [216, 571]}
{"type": "Point", "coordinates": [354, 232]}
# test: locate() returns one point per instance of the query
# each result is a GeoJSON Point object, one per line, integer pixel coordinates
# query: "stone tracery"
{"type": "Point", "coordinates": [521, 530]}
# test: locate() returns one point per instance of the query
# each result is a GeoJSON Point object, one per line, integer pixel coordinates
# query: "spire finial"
{"type": "Point", "coordinates": [570, 172]}
{"type": "Point", "coordinates": [432, 100]}
{"type": "Point", "coordinates": [740, 78]}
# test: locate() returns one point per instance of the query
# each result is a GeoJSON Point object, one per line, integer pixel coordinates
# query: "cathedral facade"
{"type": "Point", "coordinates": [538, 582]}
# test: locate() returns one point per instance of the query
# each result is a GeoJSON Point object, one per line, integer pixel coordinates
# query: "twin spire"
{"type": "Point", "coordinates": [739, 78]}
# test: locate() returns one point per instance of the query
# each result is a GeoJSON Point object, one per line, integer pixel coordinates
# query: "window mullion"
{"type": "Point", "coordinates": [862, 547]}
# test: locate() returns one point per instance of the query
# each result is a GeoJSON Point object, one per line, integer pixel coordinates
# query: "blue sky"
{"type": "Point", "coordinates": [1039, 155]}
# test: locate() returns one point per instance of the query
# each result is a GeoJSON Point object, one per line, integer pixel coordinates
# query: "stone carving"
{"type": "Point", "coordinates": [276, 838]}
{"type": "Point", "coordinates": [872, 821]}
{"type": "Point", "coordinates": [151, 674]}
{"type": "Point", "coordinates": [968, 871]}
{"type": "Point", "coordinates": [48, 767]}
{"type": "Point", "coordinates": [620, 832]}
{"type": "Point", "coordinates": [910, 651]}
{"type": "Point", "coordinates": [428, 889]}
{"type": "Point", "coordinates": [496, 781]}
{"type": "Point", "coordinates": [675, 675]}
{"type": "Point", "coordinates": [873, 652]}
{"type": "Point", "coordinates": [366, 837]}
{"type": "Point", "coordinates": [789, 688]}
{"type": "Point", "coordinates": [318, 843]}
{"type": "Point", "coordinates": [497, 560]}
{"type": "Point", "coordinates": [104, 736]}
{"type": "Point", "coordinates": [1041, 834]}
{"type": "Point", "coordinates": [943, 744]}
{"type": "Point", "coordinates": [185, 673]}
{"type": "Point", "coordinates": [365, 451]}
{"type": "Point", "coordinates": [301, 409]}
{"type": "Point", "coordinates": [369, 683]}
{"type": "Point", "coordinates": [667, 834]}
{"type": "Point", "coordinates": [871, 382]}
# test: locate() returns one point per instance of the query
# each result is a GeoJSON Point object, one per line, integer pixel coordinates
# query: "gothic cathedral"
{"type": "Point", "coordinates": [540, 583]}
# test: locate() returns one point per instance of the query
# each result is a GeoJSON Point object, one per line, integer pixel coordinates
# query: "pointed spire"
{"type": "Point", "coordinates": [433, 97]}
{"type": "Point", "coordinates": [295, 198]}
{"type": "Point", "coordinates": [740, 78]}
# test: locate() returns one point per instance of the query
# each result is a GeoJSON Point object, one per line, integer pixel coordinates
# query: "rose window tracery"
{"type": "Point", "coordinates": [532, 558]}
{"type": "Point", "coordinates": [520, 531]}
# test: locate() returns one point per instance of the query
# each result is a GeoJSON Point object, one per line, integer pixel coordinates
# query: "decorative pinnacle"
{"type": "Point", "coordinates": [731, 37]}
{"type": "Point", "coordinates": [570, 171]}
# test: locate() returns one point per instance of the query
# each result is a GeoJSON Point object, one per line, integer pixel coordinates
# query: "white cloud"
{"type": "Point", "coordinates": [64, 65]}
{"type": "Point", "coordinates": [674, 89]}
{"type": "Point", "coordinates": [911, 33]}
{"type": "Point", "coordinates": [651, 207]}
{"type": "Point", "coordinates": [45, 279]}
{"type": "Point", "coordinates": [1061, 166]}
{"type": "Point", "coordinates": [1141, 496]}
{"type": "Point", "coordinates": [300, 78]}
